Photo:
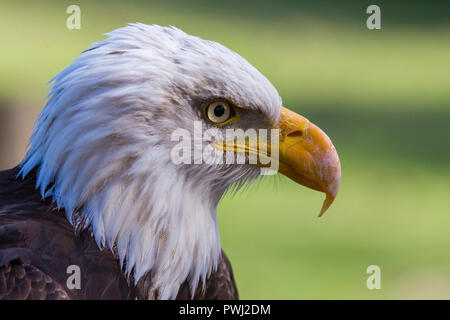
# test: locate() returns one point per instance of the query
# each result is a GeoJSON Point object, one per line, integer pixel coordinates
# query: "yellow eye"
{"type": "Point", "coordinates": [219, 112]}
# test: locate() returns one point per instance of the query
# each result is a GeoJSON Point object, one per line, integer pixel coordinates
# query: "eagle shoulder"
{"type": "Point", "coordinates": [20, 281]}
{"type": "Point", "coordinates": [34, 232]}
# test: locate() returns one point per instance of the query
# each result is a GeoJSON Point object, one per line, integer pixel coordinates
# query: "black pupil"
{"type": "Point", "coordinates": [219, 110]}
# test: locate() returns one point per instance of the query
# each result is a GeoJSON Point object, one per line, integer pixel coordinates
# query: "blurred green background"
{"type": "Point", "coordinates": [383, 96]}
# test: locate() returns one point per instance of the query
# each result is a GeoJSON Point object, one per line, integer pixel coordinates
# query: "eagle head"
{"type": "Point", "coordinates": [118, 147]}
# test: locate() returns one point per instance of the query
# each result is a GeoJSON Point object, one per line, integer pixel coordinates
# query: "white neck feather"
{"type": "Point", "coordinates": [172, 231]}
{"type": "Point", "coordinates": [102, 148]}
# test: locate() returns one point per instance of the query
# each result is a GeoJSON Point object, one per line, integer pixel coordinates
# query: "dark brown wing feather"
{"type": "Point", "coordinates": [221, 284]}
{"type": "Point", "coordinates": [20, 281]}
{"type": "Point", "coordinates": [37, 244]}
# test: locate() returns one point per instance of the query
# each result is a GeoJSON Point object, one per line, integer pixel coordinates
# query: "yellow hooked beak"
{"type": "Point", "coordinates": [308, 156]}
{"type": "Point", "coordinates": [305, 155]}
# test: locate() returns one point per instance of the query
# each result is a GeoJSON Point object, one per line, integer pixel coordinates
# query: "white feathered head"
{"type": "Point", "coordinates": [103, 147]}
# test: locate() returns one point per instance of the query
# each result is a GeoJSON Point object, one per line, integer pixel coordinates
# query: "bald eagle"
{"type": "Point", "coordinates": [98, 188]}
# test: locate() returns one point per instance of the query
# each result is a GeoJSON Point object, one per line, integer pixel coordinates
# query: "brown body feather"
{"type": "Point", "coordinates": [37, 244]}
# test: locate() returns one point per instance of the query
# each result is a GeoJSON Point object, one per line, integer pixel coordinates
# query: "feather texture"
{"type": "Point", "coordinates": [101, 149]}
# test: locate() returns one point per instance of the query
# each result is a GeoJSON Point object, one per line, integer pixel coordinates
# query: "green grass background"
{"type": "Point", "coordinates": [382, 96]}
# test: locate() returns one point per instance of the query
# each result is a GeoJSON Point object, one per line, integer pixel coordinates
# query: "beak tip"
{"type": "Point", "coordinates": [332, 189]}
{"type": "Point", "coordinates": [326, 203]}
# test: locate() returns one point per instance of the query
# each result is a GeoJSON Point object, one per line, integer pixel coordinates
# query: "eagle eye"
{"type": "Point", "coordinates": [219, 112]}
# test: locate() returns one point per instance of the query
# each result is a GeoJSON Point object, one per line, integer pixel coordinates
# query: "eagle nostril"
{"type": "Point", "coordinates": [296, 133]}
